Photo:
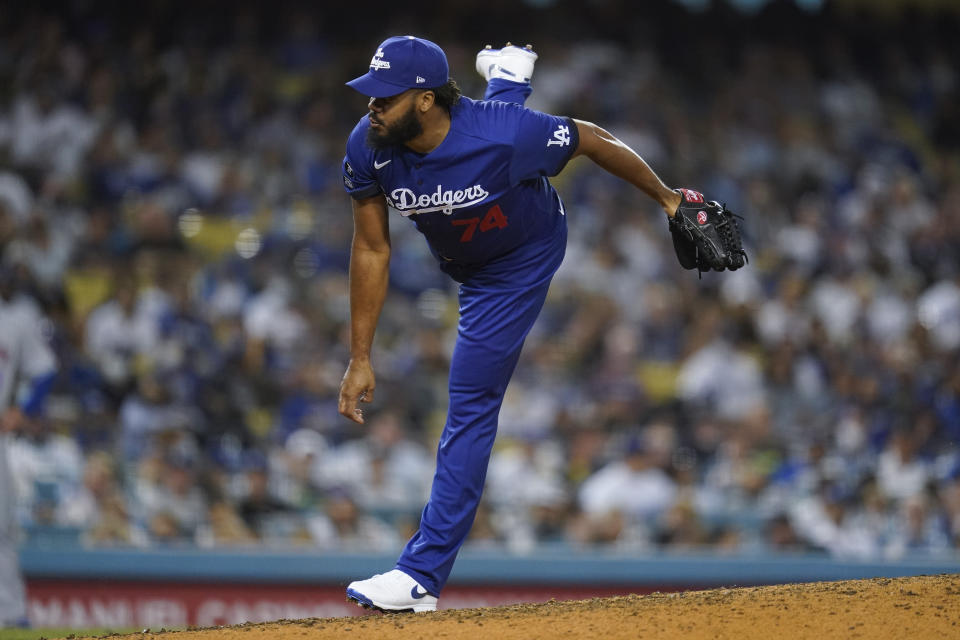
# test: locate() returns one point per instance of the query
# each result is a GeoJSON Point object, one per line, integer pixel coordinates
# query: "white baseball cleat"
{"type": "Point", "coordinates": [391, 591]}
{"type": "Point", "coordinates": [510, 63]}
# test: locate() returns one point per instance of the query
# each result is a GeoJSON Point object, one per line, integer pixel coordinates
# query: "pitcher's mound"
{"type": "Point", "coordinates": [922, 607]}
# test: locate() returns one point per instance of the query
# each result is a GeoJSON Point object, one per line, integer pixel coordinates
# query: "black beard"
{"type": "Point", "coordinates": [403, 130]}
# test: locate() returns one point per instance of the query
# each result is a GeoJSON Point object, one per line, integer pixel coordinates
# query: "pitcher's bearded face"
{"type": "Point", "coordinates": [387, 130]}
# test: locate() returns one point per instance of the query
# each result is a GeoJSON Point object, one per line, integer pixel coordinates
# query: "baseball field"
{"type": "Point", "coordinates": [924, 607]}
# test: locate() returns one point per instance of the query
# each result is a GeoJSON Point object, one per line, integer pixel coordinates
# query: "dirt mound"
{"type": "Point", "coordinates": [922, 607]}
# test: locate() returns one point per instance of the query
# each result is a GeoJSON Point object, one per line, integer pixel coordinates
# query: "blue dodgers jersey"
{"type": "Point", "coordinates": [483, 192]}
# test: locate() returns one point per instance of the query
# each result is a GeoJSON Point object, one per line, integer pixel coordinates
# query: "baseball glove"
{"type": "Point", "coordinates": [706, 235]}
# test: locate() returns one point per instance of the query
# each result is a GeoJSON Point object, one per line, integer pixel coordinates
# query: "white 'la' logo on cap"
{"type": "Point", "coordinates": [377, 62]}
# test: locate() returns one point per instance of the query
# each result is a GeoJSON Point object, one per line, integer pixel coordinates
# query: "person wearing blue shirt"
{"type": "Point", "coordinates": [473, 177]}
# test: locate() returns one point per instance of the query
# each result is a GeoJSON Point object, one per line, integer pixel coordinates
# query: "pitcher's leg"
{"type": "Point", "coordinates": [508, 72]}
{"type": "Point", "coordinates": [492, 330]}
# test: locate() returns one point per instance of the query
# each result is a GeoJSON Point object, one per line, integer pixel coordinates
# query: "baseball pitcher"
{"type": "Point", "coordinates": [472, 176]}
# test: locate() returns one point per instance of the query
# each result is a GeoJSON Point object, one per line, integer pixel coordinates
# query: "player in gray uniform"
{"type": "Point", "coordinates": [26, 373]}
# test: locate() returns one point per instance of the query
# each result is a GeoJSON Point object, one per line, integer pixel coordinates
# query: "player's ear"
{"type": "Point", "coordinates": [425, 100]}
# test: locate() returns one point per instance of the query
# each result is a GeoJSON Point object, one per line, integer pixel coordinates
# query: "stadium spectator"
{"type": "Point", "coordinates": [634, 489]}
{"type": "Point", "coordinates": [389, 470]}
{"type": "Point", "coordinates": [47, 467]}
{"type": "Point", "coordinates": [169, 502]}
{"type": "Point", "coordinates": [342, 525]}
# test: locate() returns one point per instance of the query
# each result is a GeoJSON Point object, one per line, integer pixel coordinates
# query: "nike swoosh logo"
{"type": "Point", "coordinates": [416, 595]}
{"type": "Point", "coordinates": [381, 165]}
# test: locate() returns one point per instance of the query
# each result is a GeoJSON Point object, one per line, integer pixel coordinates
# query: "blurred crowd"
{"type": "Point", "coordinates": [171, 210]}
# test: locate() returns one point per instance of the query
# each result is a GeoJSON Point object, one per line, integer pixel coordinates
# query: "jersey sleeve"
{"type": "Point", "coordinates": [358, 179]}
{"type": "Point", "coordinates": [542, 146]}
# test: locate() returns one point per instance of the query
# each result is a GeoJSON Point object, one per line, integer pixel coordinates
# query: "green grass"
{"type": "Point", "coordinates": [50, 634]}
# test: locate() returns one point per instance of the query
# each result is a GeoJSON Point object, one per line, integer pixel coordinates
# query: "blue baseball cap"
{"type": "Point", "coordinates": [401, 63]}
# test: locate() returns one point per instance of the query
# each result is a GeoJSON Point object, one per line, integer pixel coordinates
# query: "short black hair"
{"type": "Point", "coordinates": [447, 95]}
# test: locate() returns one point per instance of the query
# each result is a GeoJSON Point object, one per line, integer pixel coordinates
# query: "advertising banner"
{"type": "Point", "coordinates": [154, 605]}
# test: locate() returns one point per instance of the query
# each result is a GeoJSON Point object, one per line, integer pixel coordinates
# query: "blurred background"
{"type": "Point", "coordinates": [172, 213]}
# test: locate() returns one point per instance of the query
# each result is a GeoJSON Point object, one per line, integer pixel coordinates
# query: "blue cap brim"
{"type": "Point", "coordinates": [369, 85]}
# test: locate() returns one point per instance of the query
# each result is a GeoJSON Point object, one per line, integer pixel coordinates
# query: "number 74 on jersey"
{"type": "Point", "coordinates": [493, 219]}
